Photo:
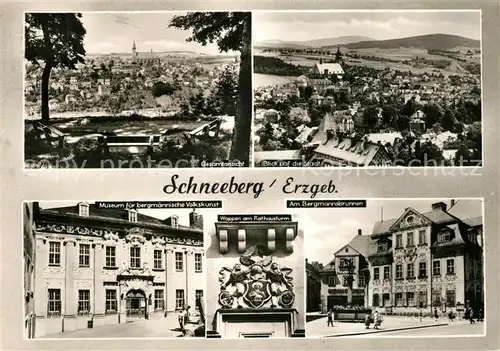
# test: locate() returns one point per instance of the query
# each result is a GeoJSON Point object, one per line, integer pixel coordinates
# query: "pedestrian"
{"type": "Point", "coordinates": [368, 320]}
{"type": "Point", "coordinates": [377, 320]}
{"type": "Point", "coordinates": [451, 316]}
{"type": "Point", "coordinates": [471, 316]}
{"type": "Point", "coordinates": [480, 316]}
{"type": "Point", "coordinates": [330, 318]}
{"type": "Point", "coordinates": [436, 316]}
{"type": "Point", "coordinates": [182, 320]}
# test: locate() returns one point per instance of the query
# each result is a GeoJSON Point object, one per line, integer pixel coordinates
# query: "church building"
{"type": "Point", "coordinates": [98, 265]}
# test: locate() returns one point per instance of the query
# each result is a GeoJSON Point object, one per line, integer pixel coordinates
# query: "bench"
{"type": "Point", "coordinates": [49, 134]}
{"type": "Point", "coordinates": [107, 142]}
{"type": "Point", "coordinates": [207, 127]}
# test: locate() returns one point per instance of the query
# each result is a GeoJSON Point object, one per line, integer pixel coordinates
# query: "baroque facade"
{"type": "Point", "coordinates": [411, 264]}
{"type": "Point", "coordinates": [255, 280]}
{"type": "Point", "coordinates": [29, 254]}
{"type": "Point", "coordinates": [97, 266]}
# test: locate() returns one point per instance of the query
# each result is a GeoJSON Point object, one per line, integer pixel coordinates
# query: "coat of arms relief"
{"type": "Point", "coordinates": [256, 281]}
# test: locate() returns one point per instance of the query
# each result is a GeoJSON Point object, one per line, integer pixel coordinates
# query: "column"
{"type": "Point", "coordinates": [169, 281]}
{"type": "Point", "coordinates": [122, 304]}
{"type": "Point", "coordinates": [40, 289]}
{"type": "Point", "coordinates": [190, 299]}
{"type": "Point", "coordinates": [70, 295]}
{"type": "Point", "coordinates": [99, 300]}
{"type": "Point", "coordinates": [242, 240]}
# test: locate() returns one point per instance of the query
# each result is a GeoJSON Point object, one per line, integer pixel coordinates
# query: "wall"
{"type": "Point", "coordinates": [216, 261]}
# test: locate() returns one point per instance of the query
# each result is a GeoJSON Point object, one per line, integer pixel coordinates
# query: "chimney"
{"type": "Point", "coordinates": [439, 206]}
{"type": "Point", "coordinates": [360, 232]}
{"type": "Point", "coordinates": [195, 220]}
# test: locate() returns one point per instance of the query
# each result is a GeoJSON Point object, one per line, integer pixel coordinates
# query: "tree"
{"type": "Point", "coordinates": [226, 92]}
{"type": "Point", "coordinates": [389, 114]}
{"type": "Point", "coordinates": [432, 113]}
{"type": "Point", "coordinates": [57, 40]}
{"type": "Point", "coordinates": [231, 31]}
{"type": "Point", "coordinates": [403, 122]}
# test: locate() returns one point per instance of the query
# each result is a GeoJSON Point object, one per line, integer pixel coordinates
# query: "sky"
{"type": "Point", "coordinates": [378, 25]}
{"type": "Point", "coordinates": [115, 32]}
{"type": "Point", "coordinates": [328, 230]}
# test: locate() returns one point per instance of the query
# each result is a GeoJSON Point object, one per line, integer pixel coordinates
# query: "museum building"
{"type": "Point", "coordinates": [414, 263]}
{"type": "Point", "coordinates": [97, 266]}
{"type": "Point", "coordinates": [255, 280]}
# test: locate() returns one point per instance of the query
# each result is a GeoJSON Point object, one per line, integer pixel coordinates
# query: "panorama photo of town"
{"type": "Point", "coordinates": [142, 90]}
{"type": "Point", "coordinates": [378, 88]}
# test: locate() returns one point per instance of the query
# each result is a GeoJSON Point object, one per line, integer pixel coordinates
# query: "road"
{"type": "Point", "coordinates": [461, 329]}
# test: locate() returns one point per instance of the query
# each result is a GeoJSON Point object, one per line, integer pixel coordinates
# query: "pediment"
{"type": "Point", "coordinates": [411, 218]}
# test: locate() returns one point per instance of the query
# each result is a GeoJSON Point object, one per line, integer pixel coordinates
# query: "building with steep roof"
{"type": "Point", "coordinates": [97, 265]}
{"type": "Point", "coordinates": [410, 264]}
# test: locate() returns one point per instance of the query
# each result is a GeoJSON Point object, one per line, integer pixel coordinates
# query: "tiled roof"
{"type": "Point", "coordinates": [110, 213]}
{"type": "Point", "coordinates": [331, 67]}
{"type": "Point", "coordinates": [349, 150]}
{"type": "Point", "coordinates": [364, 244]}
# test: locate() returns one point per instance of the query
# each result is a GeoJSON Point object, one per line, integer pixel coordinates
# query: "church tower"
{"type": "Point", "coordinates": [134, 52]}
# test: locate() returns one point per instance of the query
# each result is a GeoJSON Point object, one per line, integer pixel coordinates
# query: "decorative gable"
{"type": "Point", "coordinates": [410, 219]}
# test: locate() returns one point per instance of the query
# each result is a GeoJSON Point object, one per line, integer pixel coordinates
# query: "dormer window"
{"type": "Point", "coordinates": [132, 216]}
{"type": "Point", "coordinates": [175, 222]}
{"type": "Point", "coordinates": [382, 246]}
{"type": "Point", "coordinates": [444, 237]}
{"type": "Point", "coordinates": [83, 209]}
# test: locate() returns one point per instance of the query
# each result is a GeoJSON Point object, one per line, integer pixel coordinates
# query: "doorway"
{"type": "Point", "coordinates": [136, 305]}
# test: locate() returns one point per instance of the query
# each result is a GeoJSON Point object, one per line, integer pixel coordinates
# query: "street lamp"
{"type": "Point", "coordinates": [350, 279]}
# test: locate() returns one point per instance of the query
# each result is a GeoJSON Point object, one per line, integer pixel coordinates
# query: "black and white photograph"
{"type": "Point", "coordinates": [137, 89]}
{"type": "Point", "coordinates": [396, 267]}
{"type": "Point", "coordinates": [112, 270]}
{"type": "Point", "coordinates": [367, 88]}
{"type": "Point", "coordinates": [255, 277]}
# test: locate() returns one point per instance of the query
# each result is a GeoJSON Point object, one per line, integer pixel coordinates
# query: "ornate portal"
{"type": "Point", "coordinates": [256, 281]}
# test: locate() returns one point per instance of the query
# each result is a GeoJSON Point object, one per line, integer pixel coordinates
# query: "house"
{"type": "Point", "coordinates": [69, 98]}
{"type": "Point", "coordinates": [328, 69]}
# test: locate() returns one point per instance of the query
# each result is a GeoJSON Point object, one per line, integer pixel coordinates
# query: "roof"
{"type": "Point", "coordinates": [109, 213]}
{"type": "Point", "coordinates": [474, 222]}
{"type": "Point", "coordinates": [277, 155]}
{"type": "Point", "coordinates": [364, 244]}
{"type": "Point", "coordinates": [331, 67]}
{"type": "Point", "coordinates": [384, 138]}
{"type": "Point", "coordinates": [436, 216]}
{"type": "Point", "coordinates": [358, 152]}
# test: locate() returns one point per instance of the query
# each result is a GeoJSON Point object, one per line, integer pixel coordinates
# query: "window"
{"type": "Point", "coordinates": [132, 216]}
{"type": "Point", "coordinates": [450, 298]}
{"type": "Point", "coordinates": [84, 257]}
{"type": "Point", "coordinates": [376, 273]}
{"type": "Point", "coordinates": [179, 299]}
{"type": "Point", "coordinates": [410, 299]}
{"type": "Point", "coordinates": [409, 239]}
{"type": "Point", "coordinates": [159, 301]}
{"type": "Point", "coordinates": [54, 302]}
{"type": "Point", "coordinates": [399, 299]}
{"type": "Point", "coordinates": [179, 261]}
{"type": "Point", "coordinates": [110, 256]}
{"type": "Point", "coordinates": [111, 303]}
{"type": "Point", "coordinates": [386, 299]}
{"type": "Point", "coordinates": [410, 270]}
{"type": "Point", "coordinates": [376, 300]}
{"type": "Point", "coordinates": [450, 266]}
{"type": "Point", "coordinates": [422, 298]}
{"type": "Point", "coordinates": [399, 240]}
{"type": "Point", "coordinates": [436, 267]}
{"type": "Point", "coordinates": [198, 294]}
{"type": "Point", "coordinates": [198, 266]}
{"type": "Point", "coordinates": [345, 281]}
{"type": "Point", "coordinates": [421, 237]}
{"type": "Point", "coordinates": [382, 246]}
{"type": "Point", "coordinates": [422, 269]}
{"type": "Point", "coordinates": [331, 281]}
{"type": "Point", "coordinates": [399, 271]}
{"type": "Point", "coordinates": [444, 237]}
{"type": "Point", "coordinates": [361, 280]}
{"type": "Point", "coordinates": [436, 298]}
{"type": "Point", "coordinates": [83, 301]}
{"type": "Point", "coordinates": [83, 209]}
{"type": "Point", "coordinates": [157, 259]}
{"type": "Point", "coordinates": [387, 273]}
{"type": "Point", "coordinates": [135, 257]}
{"type": "Point", "coordinates": [346, 263]}
{"type": "Point", "coordinates": [54, 253]}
